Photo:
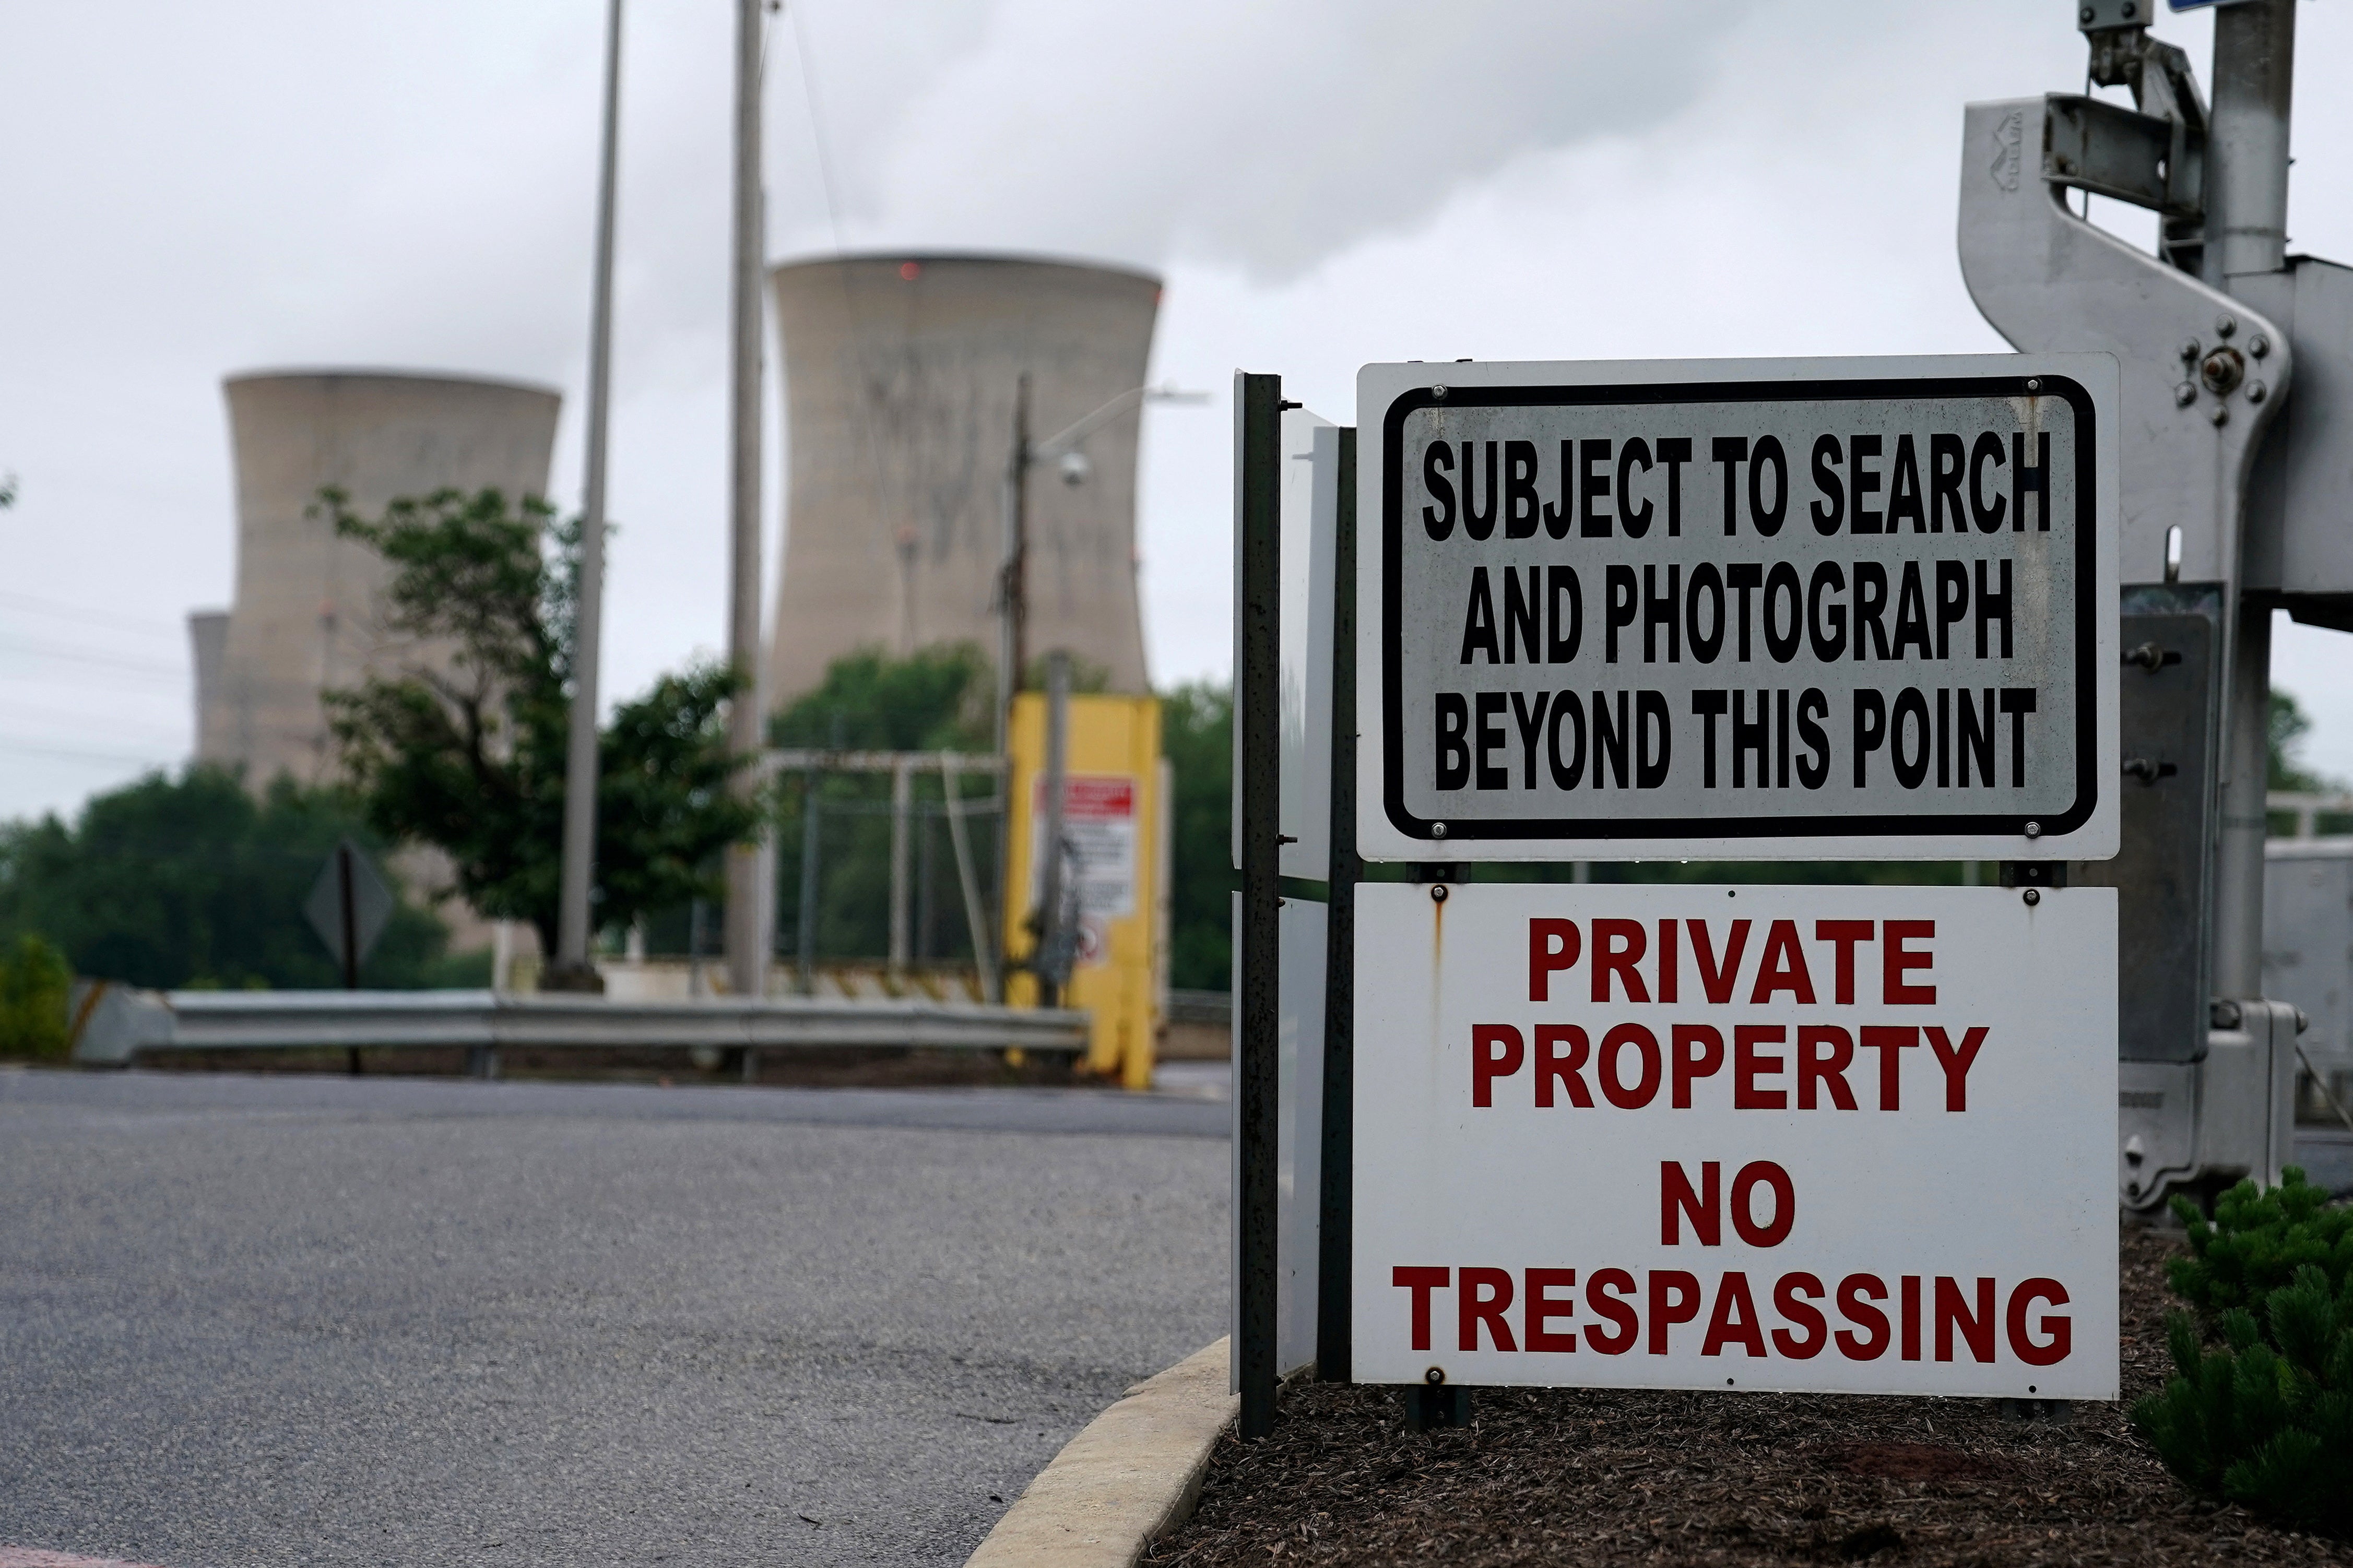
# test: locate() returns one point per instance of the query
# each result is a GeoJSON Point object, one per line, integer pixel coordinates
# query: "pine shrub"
{"type": "Point", "coordinates": [2260, 1411]}
{"type": "Point", "coordinates": [34, 984]}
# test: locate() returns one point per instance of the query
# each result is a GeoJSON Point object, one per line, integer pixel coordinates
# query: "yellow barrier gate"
{"type": "Point", "coordinates": [1112, 807]}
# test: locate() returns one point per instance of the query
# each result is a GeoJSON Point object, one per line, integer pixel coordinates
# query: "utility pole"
{"type": "Point", "coordinates": [1013, 582]}
{"type": "Point", "coordinates": [1056, 941]}
{"type": "Point", "coordinates": [2246, 238]}
{"type": "Point", "coordinates": [747, 897]}
{"type": "Point", "coordinates": [1013, 579]}
{"type": "Point", "coordinates": [1012, 636]}
{"type": "Point", "coordinates": [1013, 586]}
{"type": "Point", "coordinates": [572, 970]}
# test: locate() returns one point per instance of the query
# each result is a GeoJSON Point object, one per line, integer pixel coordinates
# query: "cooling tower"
{"type": "Point", "coordinates": [900, 376]}
{"type": "Point", "coordinates": [207, 643]}
{"type": "Point", "coordinates": [305, 616]}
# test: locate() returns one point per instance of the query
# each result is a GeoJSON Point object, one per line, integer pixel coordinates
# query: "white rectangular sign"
{"type": "Point", "coordinates": [1859, 608]}
{"type": "Point", "coordinates": [1836, 1138]}
{"type": "Point", "coordinates": [1099, 828]}
{"type": "Point", "coordinates": [1299, 1134]}
{"type": "Point", "coordinates": [1309, 452]}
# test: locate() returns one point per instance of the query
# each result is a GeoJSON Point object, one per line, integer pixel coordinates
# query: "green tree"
{"type": "Point", "coordinates": [464, 749]}
{"type": "Point", "coordinates": [940, 698]}
{"type": "Point", "coordinates": [1196, 735]}
{"type": "Point", "coordinates": [2260, 1408]}
{"type": "Point", "coordinates": [937, 699]}
{"type": "Point", "coordinates": [34, 983]}
{"type": "Point", "coordinates": [2288, 725]}
{"type": "Point", "coordinates": [192, 881]}
{"type": "Point", "coordinates": [934, 699]}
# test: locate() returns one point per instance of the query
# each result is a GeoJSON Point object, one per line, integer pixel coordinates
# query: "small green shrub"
{"type": "Point", "coordinates": [2260, 1409]}
{"type": "Point", "coordinates": [34, 984]}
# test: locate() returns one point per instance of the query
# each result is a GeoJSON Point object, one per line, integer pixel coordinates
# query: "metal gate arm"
{"type": "Point", "coordinates": [2191, 417]}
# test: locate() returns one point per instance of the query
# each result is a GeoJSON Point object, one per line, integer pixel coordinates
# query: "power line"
{"type": "Point", "coordinates": [87, 717]}
{"type": "Point", "coordinates": [82, 655]}
{"type": "Point", "coordinates": [9, 743]}
{"type": "Point", "coordinates": [82, 613]}
{"type": "Point", "coordinates": [816, 125]}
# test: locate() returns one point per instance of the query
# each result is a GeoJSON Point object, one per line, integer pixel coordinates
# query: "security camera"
{"type": "Point", "coordinates": [1075, 468]}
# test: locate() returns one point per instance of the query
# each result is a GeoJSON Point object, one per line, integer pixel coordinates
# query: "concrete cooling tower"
{"type": "Point", "coordinates": [901, 375]}
{"type": "Point", "coordinates": [305, 616]}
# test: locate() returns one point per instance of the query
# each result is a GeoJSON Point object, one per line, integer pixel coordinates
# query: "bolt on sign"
{"type": "Point", "coordinates": [1805, 1138]}
{"type": "Point", "coordinates": [1796, 608]}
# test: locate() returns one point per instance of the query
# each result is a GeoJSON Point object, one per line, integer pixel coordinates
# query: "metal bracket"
{"type": "Point", "coordinates": [2192, 419]}
{"type": "Point", "coordinates": [2203, 1125]}
{"type": "Point", "coordinates": [2166, 723]}
{"type": "Point", "coordinates": [2163, 88]}
{"type": "Point", "coordinates": [2098, 16]}
{"type": "Point", "coordinates": [2111, 151]}
{"type": "Point", "coordinates": [2049, 282]}
{"type": "Point", "coordinates": [1427, 1407]}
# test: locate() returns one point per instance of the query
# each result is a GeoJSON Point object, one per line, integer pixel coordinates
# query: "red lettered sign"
{"type": "Point", "coordinates": [1796, 1138]}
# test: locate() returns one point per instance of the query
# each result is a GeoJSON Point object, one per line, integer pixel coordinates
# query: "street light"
{"type": "Point", "coordinates": [1062, 448]}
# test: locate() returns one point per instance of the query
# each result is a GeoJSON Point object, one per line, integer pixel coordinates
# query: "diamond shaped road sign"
{"type": "Point", "coordinates": [371, 903]}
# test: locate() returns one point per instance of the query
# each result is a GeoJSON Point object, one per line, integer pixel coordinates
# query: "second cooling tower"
{"type": "Point", "coordinates": [901, 377]}
{"type": "Point", "coordinates": [306, 617]}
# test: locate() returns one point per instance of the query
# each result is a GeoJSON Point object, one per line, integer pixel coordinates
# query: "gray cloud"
{"type": "Point", "coordinates": [192, 190]}
{"type": "Point", "coordinates": [1267, 136]}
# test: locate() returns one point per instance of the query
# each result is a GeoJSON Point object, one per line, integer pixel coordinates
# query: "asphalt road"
{"type": "Point", "coordinates": [323, 1322]}
{"type": "Point", "coordinates": [319, 1321]}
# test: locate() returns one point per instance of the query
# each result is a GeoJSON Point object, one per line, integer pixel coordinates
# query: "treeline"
{"type": "Point", "coordinates": [196, 881]}
{"type": "Point", "coordinates": [192, 881]}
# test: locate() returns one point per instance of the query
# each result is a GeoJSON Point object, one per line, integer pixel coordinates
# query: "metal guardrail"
{"type": "Point", "coordinates": [1213, 1007]}
{"type": "Point", "coordinates": [115, 1027]}
{"type": "Point", "coordinates": [2307, 809]}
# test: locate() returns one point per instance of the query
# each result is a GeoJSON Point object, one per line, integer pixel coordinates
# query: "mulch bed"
{"type": "Point", "coordinates": [1589, 1477]}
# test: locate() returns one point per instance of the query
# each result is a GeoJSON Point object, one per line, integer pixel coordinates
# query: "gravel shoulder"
{"type": "Point", "coordinates": [1600, 1478]}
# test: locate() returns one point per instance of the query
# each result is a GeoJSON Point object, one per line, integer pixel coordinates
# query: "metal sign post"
{"type": "Point", "coordinates": [1301, 473]}
{"type": "Point", "coordinates": [1257, 414]}
{"type": "Point", "coordinates": [1336, 1168]}
{"type": "Point", "coordinates": [348, 905]}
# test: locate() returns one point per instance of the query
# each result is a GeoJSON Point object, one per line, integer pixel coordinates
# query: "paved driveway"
{"type": "Point", "coordinates": [325, 1321]}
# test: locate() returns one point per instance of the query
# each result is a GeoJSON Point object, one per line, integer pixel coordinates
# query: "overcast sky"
{"type": "Point", "coordinates": [192, 190]}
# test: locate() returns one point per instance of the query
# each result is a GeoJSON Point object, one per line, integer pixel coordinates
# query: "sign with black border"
{"type": "Point", "coordinates": [1857, 608]}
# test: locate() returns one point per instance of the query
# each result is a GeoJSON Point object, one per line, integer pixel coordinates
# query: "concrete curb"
{"type": "Point", "coordinates": [1133, 1475]}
